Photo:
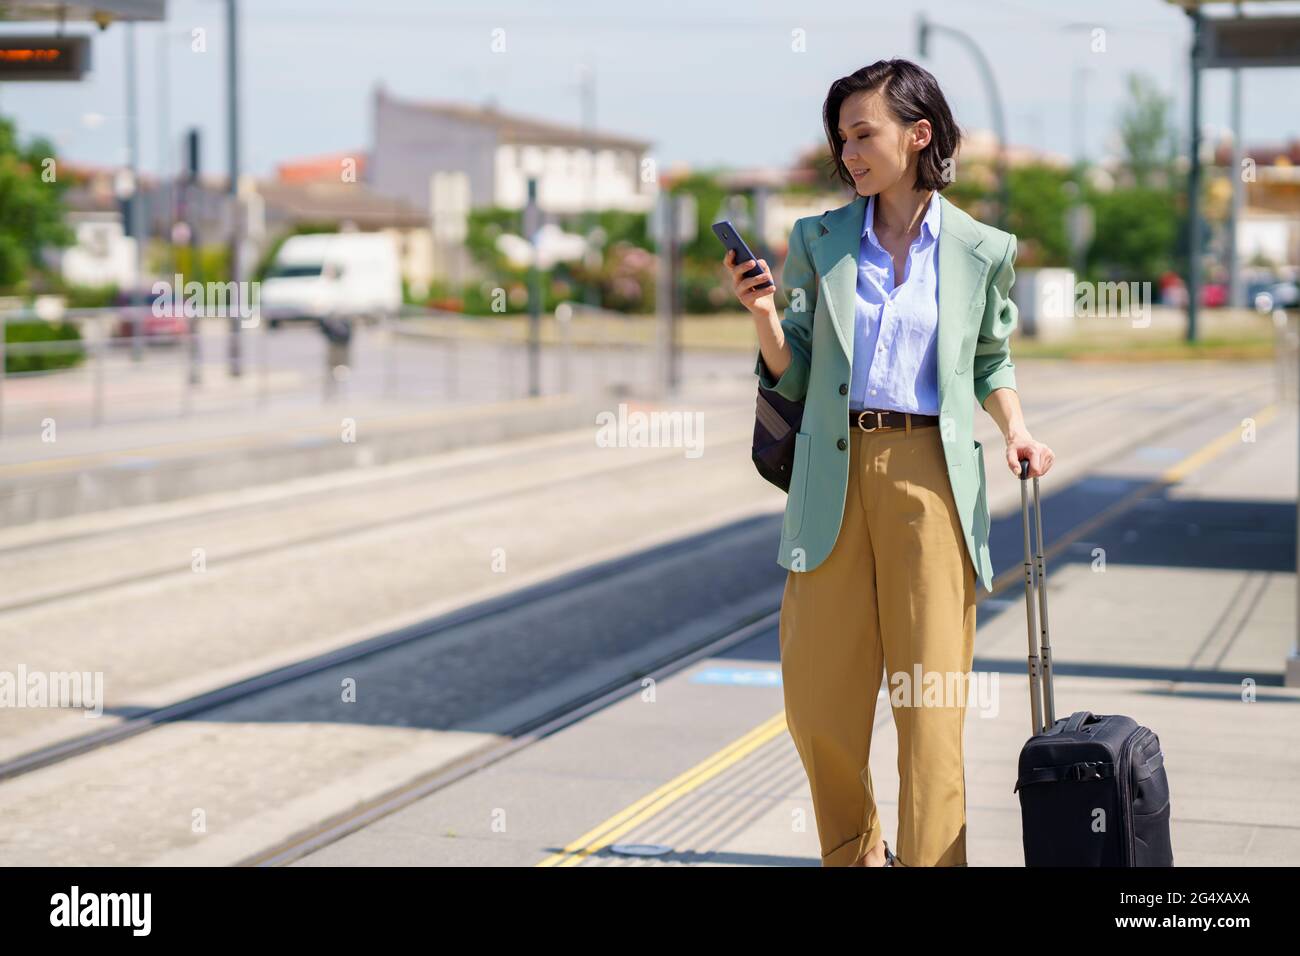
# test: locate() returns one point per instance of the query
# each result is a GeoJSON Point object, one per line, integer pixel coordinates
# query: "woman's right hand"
{"type": "Point", "coordinates": [760, 302]}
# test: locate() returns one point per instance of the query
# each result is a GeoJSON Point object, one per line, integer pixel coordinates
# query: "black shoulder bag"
{"type": "Point", "coordinates": [776, 420]}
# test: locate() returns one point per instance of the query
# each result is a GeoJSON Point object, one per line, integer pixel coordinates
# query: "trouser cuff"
{"type": "Point", "coordinates": [850, 851]}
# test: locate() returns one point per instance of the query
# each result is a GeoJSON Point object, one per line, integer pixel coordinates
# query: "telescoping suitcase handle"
{"type": "Point", "coordinates": [1040, 646]}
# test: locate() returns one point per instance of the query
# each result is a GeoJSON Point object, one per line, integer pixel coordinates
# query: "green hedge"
{"type": "Point", "coordinates": [38, 361]}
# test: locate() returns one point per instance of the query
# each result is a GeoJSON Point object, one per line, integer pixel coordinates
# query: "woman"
{"type": "Point", "coordinates": [898, 322]}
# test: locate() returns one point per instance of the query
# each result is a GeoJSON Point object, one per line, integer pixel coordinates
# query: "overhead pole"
{"type": "Point", "coordinates": [135, 210]}
{"type": "Point", "coordinates": [232, 187]}
{"type": "Point", "coordinates": [924, 29]}
{"type": "Point", "coordinates": [1236, 295]}
{"type": "Point", "coordinates": [1194, 176]}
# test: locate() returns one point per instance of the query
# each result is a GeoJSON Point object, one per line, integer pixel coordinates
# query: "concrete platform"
{"type": "Point", "coordinates": [1178, 611]}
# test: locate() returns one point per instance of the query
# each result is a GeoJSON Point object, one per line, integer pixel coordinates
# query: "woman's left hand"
{"type": "Point", "coordinates": [1039, 455]}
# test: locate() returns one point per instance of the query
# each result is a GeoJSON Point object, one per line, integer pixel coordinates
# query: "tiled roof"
{"type": "Point", "coordinates": [512, 128]}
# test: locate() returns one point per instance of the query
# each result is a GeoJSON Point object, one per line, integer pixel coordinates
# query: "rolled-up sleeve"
{"type": "Point", "coordinates": [799, 279]}
{"type": "Point", "coordinates": [993, 367]}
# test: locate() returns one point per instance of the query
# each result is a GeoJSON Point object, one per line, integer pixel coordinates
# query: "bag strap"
{"type": "Point", "coordinates": [1085, 770]}
{"type": "Point", "coordinates": [1150, 765]}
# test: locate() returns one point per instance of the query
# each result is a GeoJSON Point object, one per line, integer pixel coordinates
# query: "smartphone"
{"type": "Point", "coordinates": [726, 232]}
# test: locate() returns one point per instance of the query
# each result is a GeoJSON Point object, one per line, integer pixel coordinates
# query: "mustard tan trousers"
{"type": "Point", "coordinates": [895, 599]}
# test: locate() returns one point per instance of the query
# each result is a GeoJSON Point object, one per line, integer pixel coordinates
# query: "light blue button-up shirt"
{"type": "Point", "coordinates": [895, 335]}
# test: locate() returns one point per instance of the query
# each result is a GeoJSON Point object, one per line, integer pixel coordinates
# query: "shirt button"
{"type": "Point", "coordinates": [841, 444]}
{"type": "Point", "coordinates": [873, 391]}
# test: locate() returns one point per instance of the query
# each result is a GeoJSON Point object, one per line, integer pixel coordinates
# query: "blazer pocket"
{"type": "Point", "coordinates": [794, 505]}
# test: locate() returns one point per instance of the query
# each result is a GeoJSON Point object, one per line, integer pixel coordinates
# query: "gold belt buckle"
{"type": "Point", "coordinates": [870, 411]}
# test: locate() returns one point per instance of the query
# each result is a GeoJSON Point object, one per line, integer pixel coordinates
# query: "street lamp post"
{"type": "Point", "coordinates": [135, 207]}
{"type": "Point", "coordinates": [1194, 178]}
{"type": "Point", "coordinates": [232, 144]}
{"type": "Point", "coordinates": [532, 223]}
{"type": "Point", "coordinates": [924, 29]}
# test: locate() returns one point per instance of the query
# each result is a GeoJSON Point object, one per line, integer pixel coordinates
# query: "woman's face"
{"type": "Point", "coordinates": [878, 151]}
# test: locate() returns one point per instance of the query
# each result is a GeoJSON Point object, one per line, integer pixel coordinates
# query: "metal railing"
{"type": "Point", "coordinates": [586, 349]}
{"type": "Point", "coordinates": [419, 354]}
{"type": "Point", "coordinates": [164, 369]}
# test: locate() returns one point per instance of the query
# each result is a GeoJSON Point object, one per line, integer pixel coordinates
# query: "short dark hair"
{"type": "Point", "coordinates": [912, 93]}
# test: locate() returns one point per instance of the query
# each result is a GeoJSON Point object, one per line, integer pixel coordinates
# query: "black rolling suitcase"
{"type": "Point", "coordinates": [1093, 790]}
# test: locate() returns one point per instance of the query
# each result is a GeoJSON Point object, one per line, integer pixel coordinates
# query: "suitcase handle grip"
{"type": "Point", "coordinates": [1077, 720]}
{"type": "Point", "coordinates": [1024, 469]}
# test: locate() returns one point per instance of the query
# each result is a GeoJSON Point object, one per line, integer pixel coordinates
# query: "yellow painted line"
{"type": "Point", "coordinates": [1214, 449]}
{"type": "Point", "coordinates": [605, 833]}
{"type": "Point", "coordinates": [1170, 476]}
{"type": "Point", "coordinates": [178, 449]}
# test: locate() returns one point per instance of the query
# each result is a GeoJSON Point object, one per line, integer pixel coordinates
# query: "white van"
{"type": "Point", "coordinates": [336, 274]}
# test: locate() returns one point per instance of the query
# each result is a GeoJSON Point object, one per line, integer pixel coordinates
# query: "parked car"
{"type": "Point", "coordinates": [1214, 295]}
{"type": "Point", "coordinates": [1266, 296]}
{"type": "Point", "coordinates": [316, 276]}
{"type": "Point", "coordinates": [1285, 295]}
{"type": "Point", "coordinates": [158, 325]}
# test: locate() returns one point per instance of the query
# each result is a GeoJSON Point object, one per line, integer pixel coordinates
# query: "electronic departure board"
{"type": "Point", "coordinates": [43, 57]}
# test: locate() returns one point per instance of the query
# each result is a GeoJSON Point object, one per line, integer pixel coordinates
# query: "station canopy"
{"type": "Point", "coordinates": [99, 11]}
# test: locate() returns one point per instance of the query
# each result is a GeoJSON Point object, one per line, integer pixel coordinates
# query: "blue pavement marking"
{"type": "Point", "coordinates": [998, 603]}
{"type": "Point", "coordinates": [1100, 484]}
{"type": "Point", "coordinates": [747, 676]}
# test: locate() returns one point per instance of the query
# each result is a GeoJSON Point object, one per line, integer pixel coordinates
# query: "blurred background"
{"type": "Point", "coordinates": [312, 311]}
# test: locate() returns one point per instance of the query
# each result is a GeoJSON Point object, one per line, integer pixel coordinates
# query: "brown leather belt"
{"type": "Point", "coordinates": [884, 419]}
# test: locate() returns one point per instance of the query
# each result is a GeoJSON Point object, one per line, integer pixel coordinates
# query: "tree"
{"type": "Point", "coordinates": [1145, 133]}
{"type": "Point", "coordinates": [1136, 234]}
{"type": "Point", "coordinates": [1039, 205]}
{"type": "Point", "coordinates": [31, 205]}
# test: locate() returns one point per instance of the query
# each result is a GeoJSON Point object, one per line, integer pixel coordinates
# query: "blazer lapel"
{"type": "Point", "coordinates": [835, 255]}
{"type": "Point", "coordinates": [962, 273]}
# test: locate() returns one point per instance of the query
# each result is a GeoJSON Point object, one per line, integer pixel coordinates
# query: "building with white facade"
{"type": "Point", "coordinates": [447, 158]}
{"type": "Point", "coordinates": [577, 170]}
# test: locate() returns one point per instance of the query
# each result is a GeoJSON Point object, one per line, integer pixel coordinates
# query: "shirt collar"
{"type": "Point", "coordinates": [929, 225]}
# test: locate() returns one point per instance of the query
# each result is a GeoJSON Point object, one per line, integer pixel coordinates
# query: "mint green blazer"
{"type": "Point", "coordinates": [976, 318]}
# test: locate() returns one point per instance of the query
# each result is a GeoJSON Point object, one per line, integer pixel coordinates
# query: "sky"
{"type": "Point", "coordinates": [708, 83]}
